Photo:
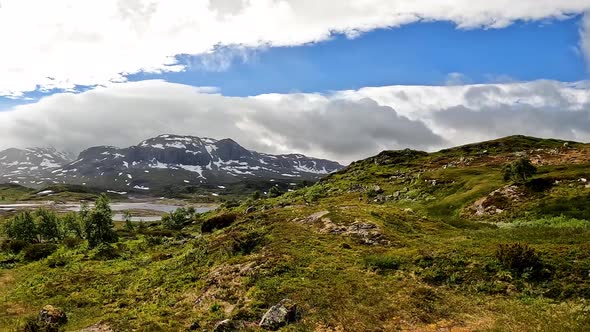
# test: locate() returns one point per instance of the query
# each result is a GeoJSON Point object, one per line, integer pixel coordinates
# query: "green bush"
{"type": "Point", "coordinates": [71, 242]}
{"type": "Point", "coordinates": [247, 243]}
{"type": "Point", "coordinates": [105, 251]}
{"type": "Point", "coordinates": [14, 246]}
{"type": "Point", "coordinates": [381, 262]}
{"type": "Point", "coordinates": [38, 251]}
{"type": "Point", "coordinates": [519, 258]}
{"type": "Point", "coordinates": [519, 170]}
{"type": "Point", "coordinates": [274, 192]}
{"type": "Point", "coordinates": [154, 240]}
{"type": "Point", "coordinates": [218, 222]}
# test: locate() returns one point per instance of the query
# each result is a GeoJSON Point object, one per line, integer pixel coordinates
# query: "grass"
{"type": "Point", "coordinates": [440, 268]}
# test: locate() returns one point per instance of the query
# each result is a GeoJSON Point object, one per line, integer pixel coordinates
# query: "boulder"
{"type": "Point", "coordinates": [279, 315]}
{"type": "Point", "coordinates": [51, 315]}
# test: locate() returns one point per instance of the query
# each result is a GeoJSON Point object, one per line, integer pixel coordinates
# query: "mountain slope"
{"type": "Point", "coordinates": [32, 166]}
{"type": "Point", "coordinates": [172, 160]}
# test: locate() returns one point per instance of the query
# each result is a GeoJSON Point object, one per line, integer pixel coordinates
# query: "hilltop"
{"type": "Point", "coordinates": [405, 240]}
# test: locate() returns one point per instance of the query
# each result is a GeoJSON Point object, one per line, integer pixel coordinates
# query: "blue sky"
{"type": "Point", "coordinates": [416, 54]}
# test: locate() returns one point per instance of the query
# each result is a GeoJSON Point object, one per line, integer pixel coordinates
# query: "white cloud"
{"type": "Point", "coordinates": [64, 43]}
{"type": "Point", "coordinates": [343, 126]}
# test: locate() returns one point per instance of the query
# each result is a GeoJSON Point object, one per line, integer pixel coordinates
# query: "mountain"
{"type": "Point", "coordinates": [30, 167]}
{"type": "Point", "coordinates": [173, 160]}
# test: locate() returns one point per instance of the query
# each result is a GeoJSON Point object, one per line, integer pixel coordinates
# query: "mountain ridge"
{"type": "Point", "coordinates": [170, 159]}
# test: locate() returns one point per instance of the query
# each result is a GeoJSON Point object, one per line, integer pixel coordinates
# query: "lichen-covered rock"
{"type": "Point", "coordinates": [279, 315]}
{"type": "Point", "coordinates": [51, 315]}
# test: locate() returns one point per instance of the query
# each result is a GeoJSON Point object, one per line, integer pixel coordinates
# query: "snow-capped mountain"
{"type": "Point", "coordinates": [183, 160]}
{"type": "Point", "coordinates": [32, 166]}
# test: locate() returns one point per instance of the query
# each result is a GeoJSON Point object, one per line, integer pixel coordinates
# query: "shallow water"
{"type": "Point", "coordinates": [157, 208]}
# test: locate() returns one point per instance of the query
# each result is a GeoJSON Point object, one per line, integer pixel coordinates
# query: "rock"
{"type": "Point", "coordinates": [313, 217]}
{"type": "Point", "coordinates": [229, 325]}
{"type": "Point", "coordinates": [583, 180]}
{"type": "Point", "coordinates": [279, 315]}
{"type": "Point", "coordinates": [377, 189]}
{"type": "Point", "coordinates": [51, 315]}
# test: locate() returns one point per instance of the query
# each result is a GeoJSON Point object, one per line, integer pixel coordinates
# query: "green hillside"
{"type": "Point", "coordinates": [403, 241]}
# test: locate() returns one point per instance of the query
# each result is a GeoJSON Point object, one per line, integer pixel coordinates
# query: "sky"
{"type": "Point", "coordinates": [337, 79]}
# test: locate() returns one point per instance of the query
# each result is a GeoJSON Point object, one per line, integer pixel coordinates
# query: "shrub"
{"type": "Point", "coordinates": [176, 219]}
{"type": "Point", "coordinates": [519, 170]}
{"type": "Point", "coordinates": [105, 252]}
{"type": "Point", "coordinates": [314, 193]}
{"type": "Point", "coordinates": [274, 192]}
{"type": "Point", "coordinates": [218, 222]}
{"type": "Point", "coordinates": [247, 243]}
{"type": "Point", "coordinates": [14, 246]}
{"type": "Point", "coordinates": [38, 251]}
{"type": "Point", "coordinates": [232, 203]}
{"type": "Point", "coordinates": [57, 261]}
{"type": "Point", "coordinates": [519, 258]}
{"type": "Point", "coordinates": [381, 263]}
{"type": "Point", "coordinates": [154, 240]}
{"type": "Point", "coordinates": [71, 242]}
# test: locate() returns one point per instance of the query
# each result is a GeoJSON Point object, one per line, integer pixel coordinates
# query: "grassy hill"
{"type": "Point", "coordinates": [405, 240]}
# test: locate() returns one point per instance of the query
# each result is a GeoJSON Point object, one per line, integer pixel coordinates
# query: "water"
{"type": "Point", "coordinates": [150, 211]}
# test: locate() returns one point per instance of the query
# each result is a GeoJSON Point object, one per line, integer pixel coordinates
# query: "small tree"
{"type": "Point", "coordinates": [128, 223]}
{"type": "Point", "coordinates": [256, 195]}
{"type": "Point", "coordinates": [71, 225]}
{"type": "Point", "coordinates": [22, 227]}
{"type": "Point", "coordinates": [519, 170]}
{"type": "Point", "coordinates": [98, 224]}
{"type": "Point", "coordinates": [274, 192]}
{"type": "Point", "coordinates": [47, 225]}
{"type": "Point", "coordinates": [176, 219]}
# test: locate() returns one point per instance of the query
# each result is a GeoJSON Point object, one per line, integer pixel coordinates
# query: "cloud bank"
{"type": "Point", "coordinates": [60, 44]}
{"type": "Point", "coordinates": [343, 126]}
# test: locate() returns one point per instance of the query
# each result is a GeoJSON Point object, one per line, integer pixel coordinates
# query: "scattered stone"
{"type": "Point", "coordinates": [377, 189]}
{"type": "Point", "coordinates": [51, 315]}
{"type": "Point", "coordinates": [583, 180]}
{"type": "Point", "coordinates": [497, 201]}
{"type": "Point", "coordinates": [279, 315]}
